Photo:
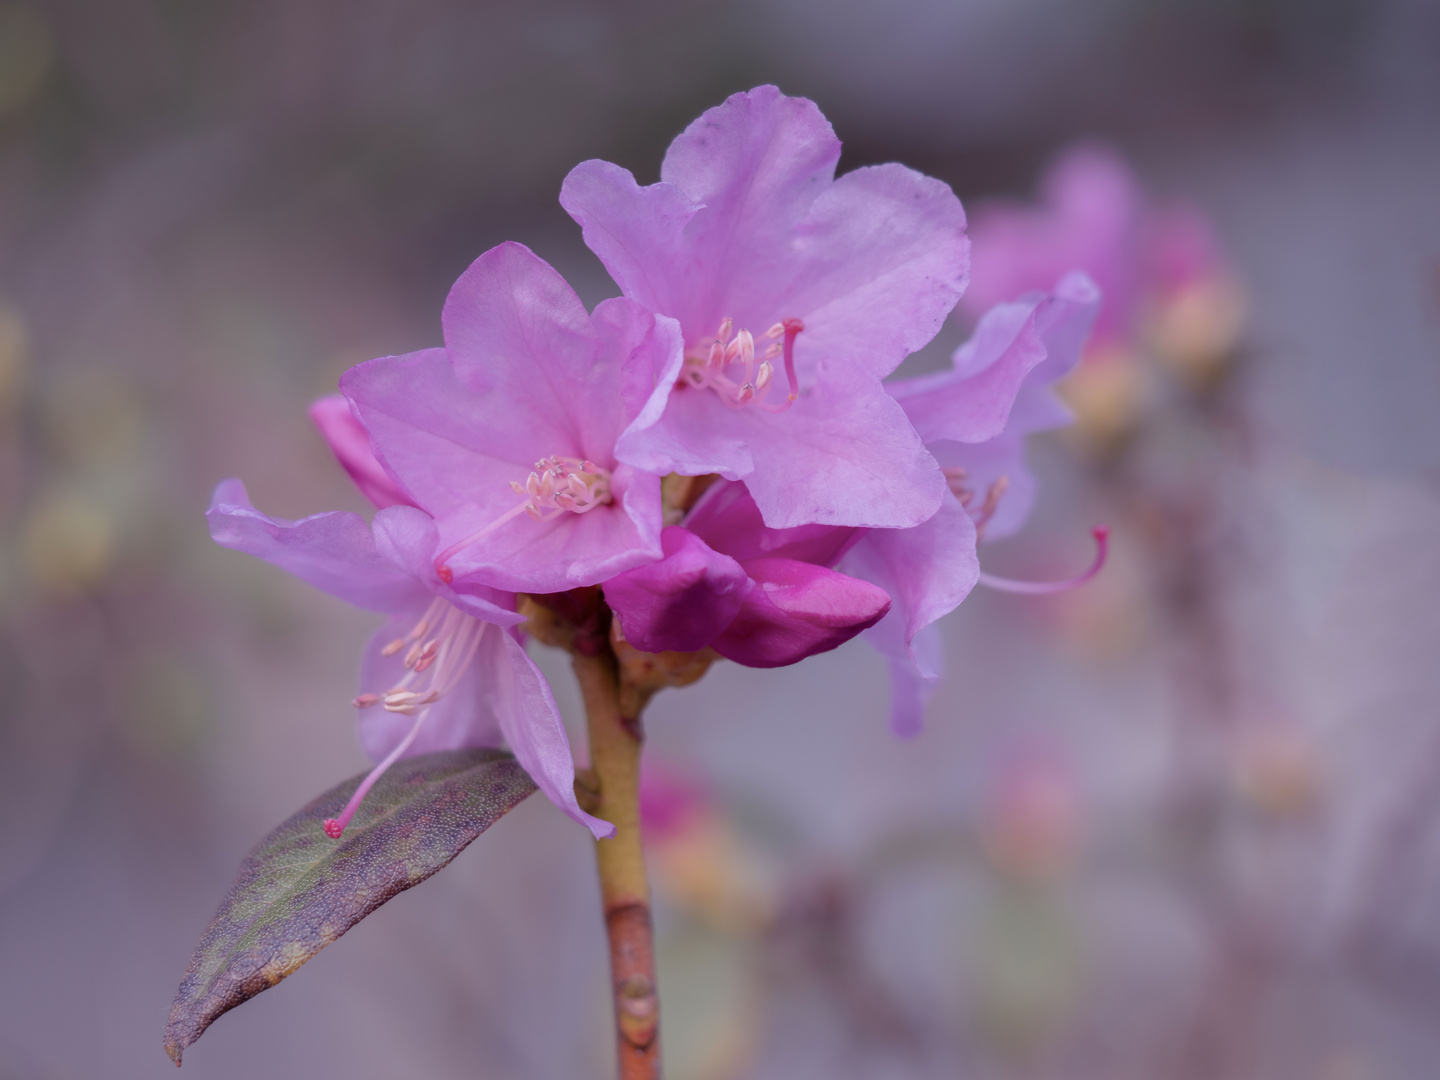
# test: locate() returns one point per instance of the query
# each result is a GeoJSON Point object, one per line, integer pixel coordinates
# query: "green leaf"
{"type": "Point", "coordinates": [298, 890]}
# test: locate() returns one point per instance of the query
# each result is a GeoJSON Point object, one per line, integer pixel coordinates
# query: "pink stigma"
{"type": "Point", "coordinates": [728, 366]}
{"type": "Point", "coordinates": [1046, 588]}
{"type": "Point", "coordinates": [333, 828]}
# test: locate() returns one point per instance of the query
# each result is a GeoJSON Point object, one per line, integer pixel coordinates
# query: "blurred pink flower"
{"type": "Point", "coordinates": [446, 671]}
{"type": "Point", "coordinates": [749, 230]}
{"type": "Point", "coordinates": [1092, 216]}
{"type": "Point", "coordinates": [507, 434]}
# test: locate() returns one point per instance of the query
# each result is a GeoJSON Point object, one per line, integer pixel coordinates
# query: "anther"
{"type": "Point", "coordinates": [394, 647]}
{"type": "Point", "coordinates": [364, 701]}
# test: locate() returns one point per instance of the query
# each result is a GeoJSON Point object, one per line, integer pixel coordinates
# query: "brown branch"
{"type": "Point", "coordinates": [613, 790]}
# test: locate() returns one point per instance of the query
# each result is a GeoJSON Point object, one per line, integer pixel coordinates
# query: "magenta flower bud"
{"type": "Point", "coordinates": [683, 601]}
{"type": "Point", "coordinates": [797, 610]}
{"type": "Point", "coordinates": [350, 443]}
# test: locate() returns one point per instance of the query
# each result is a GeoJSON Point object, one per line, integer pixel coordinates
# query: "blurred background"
{"type": "Point", "coordinates": [1182, 824]}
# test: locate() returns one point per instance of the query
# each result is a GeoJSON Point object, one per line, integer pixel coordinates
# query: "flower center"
{"type": "Point", "coordinates": [437, 652]}
{"type": "Point", "coordinates": [957, 480]}
{"type": "Point", "coordinates": [727, 365]}
{"type": "Point", "coordinates": [559, 485]}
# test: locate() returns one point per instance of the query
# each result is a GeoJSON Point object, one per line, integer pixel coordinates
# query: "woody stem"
{"type": "Point", "coordinates": [615, 741]}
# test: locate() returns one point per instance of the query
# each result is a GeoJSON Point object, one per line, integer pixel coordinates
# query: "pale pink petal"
{"type": "Point", "coordinates": [844, 455]}
{"type": "Point", "coordinates": [531, 723]}
{"type": "Point", "coordinates": [334, 552]}
{"type": "Point", "coordinates": [927, 571]}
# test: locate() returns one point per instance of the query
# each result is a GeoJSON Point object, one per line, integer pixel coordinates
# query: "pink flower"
{"type": "Point", "coordinates": [446, 671]}
{"type": "Point", "coordinates": [1092, 216]}
{"type": "Point", "coordinates": [506, 436]}
{"type": "Point", "coordinates": [796, 293]}
{"type": "Point", "coordinates": [974, 418]}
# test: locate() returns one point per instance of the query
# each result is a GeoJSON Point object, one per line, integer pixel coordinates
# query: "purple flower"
{"type": "Point", "coordinates": [759, 596]}
{"type": "Point", "coordinates": [1094, 216]}
{"type": "Point", "coordinates": [507, 435]}
{"type": "Point", "coordinates": [447, 670]}
{"type": "Point", "coordinates": [974, 418]}
{"type": "Point", "coordinates": [750, 239]}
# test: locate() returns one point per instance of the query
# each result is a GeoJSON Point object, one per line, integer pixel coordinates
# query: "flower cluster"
{"type": "Point", "coordinates": [765, 301]}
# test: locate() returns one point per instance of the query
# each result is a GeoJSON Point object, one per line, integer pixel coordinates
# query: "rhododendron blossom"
{"type": "Point", "coordinates": [974, 418]}
{"type": "Point", "coordinates": [797, 292]}
{"type": "Point", "coordinates": [709, 465]}
{"type": "Point", "coordinates": [506, 436]}
{"type": "Point", "coordinates": [446, 671]}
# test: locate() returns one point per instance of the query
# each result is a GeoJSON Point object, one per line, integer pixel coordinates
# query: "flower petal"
{"type": "Point", "coordinates": [728, 520]}
{"type": "Point", "coordinates": [335, 552]}
{"type": "Point", "coordinates": [532, 725]}
{"type": "Point", "coordinates": [1031, 341]}
{"type": "Point", "coordinates": [844, 455]}
{"type": "Point", "coordinates": [682, 602]}
{"type": "Point", "coordinates": [408, 538]}
{"type": "Point", "coordinates": [350, 443]}
{"type": "Point", "coordinates": [798, 610]}
{"type": "Point", "coordinates": [915, 670]}
{"type": "Point", "coordinates": [442, 438]}
{"type": "Point", "coordinates": [878, 264]}
{"type": "Point", "coordinates": [927, 570]}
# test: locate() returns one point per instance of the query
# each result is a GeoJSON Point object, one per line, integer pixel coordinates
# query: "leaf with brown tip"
{"type": "Point", "coordinates": [298, 890]}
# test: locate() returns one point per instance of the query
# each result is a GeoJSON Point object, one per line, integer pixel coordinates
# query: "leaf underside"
{"type": "Point", "coordinates": [298, 890]}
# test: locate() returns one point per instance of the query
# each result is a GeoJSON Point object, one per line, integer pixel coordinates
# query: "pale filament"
{"type": "Point", "coordinates": [437, 653]}
{"type": "Point", "coordinates": [559, 485]}
{"type": "Point", "coordinates": [1046, 588]}
{"type": "Point", "coordinates": [957, 479]}
{"type": "Point", "coordinates": [728, 366]}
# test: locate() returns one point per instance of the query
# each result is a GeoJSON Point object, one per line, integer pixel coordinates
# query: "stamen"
{"type": "Point", "coordinates": [705, 366]}
{"type": "Point", "coordinates": [450, 652]}
{"type": "Point", "coordinates": [1046, 588]}
{"type": "Point", "coordinates": [558, 484]}
{"type": "Point", "coordinates": [957, 480]}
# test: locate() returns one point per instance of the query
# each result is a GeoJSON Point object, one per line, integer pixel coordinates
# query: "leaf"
{"type": "Point", "coordinates": [298, 890]}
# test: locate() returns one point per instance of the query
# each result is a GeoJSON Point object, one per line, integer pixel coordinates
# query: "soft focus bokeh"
{"type": "Point", "coordinates": [1181, 824]}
